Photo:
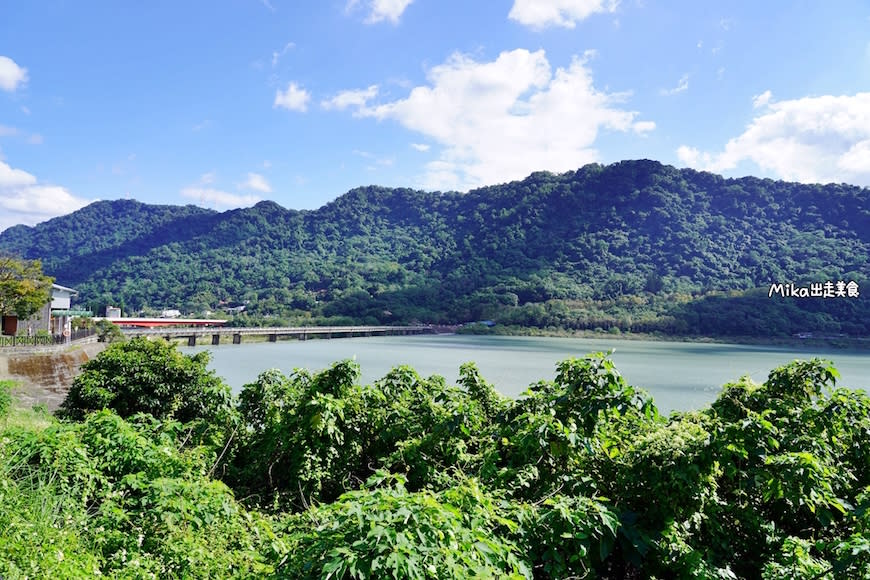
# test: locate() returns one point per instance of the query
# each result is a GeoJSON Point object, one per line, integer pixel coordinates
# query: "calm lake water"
{"type": "Point", "coordinates": [680, 376]}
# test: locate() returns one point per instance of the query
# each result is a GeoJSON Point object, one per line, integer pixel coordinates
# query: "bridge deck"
{"type": "Point", "coordinates": [192, 333]}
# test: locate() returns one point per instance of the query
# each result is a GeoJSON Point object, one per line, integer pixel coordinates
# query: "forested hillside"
{"type": "Point", "coordinates": [633, 246]}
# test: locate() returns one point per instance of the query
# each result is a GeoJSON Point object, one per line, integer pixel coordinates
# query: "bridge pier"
{"type": "Point", "coordinates": [237, 339]}
{"type": "Point", "coordinates": [273, 338]}
{"type": "Point", "coordinates": [191, 340]}
{"type": "Point", "coordinates": [215, 339]}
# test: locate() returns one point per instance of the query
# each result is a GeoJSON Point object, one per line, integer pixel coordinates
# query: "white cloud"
{"type": "Point", "coordinates": [682, 86]}
{"type": "Point", "coordinates": [812, 140]}
{"type": "Point", "coordinates": [691, 157]}
{"type": "Point", "coordinates": [208, 178]}
{"type": "Point", "coordinates": [12, 76]}
{"type": "Point", "coordinates": [380, 10]}
{"type": "Point", "coordinates": [353, 98]}
{"type": "Point", "coordinates": [857, 158]}
{"type": "Point", "coordinates": [501, 120]}
{"type": "Point", "coordinates": [378, 161]}
{"type": "Point", "coordinates": [30, 138]}
{"type": "Point", "coordinates": [23, 200]}
{"type": "Point", "coordinates": [10, 177]}
{"type": "Point", "coordinates": [643, 127]}
{"type": "Point", "coordinates": [294, 98]}
{"type": "Point", "coordinates": [761, 100]}
{"type": "Point", "coordinates": [422, 147]}
{"type": "Point", "coordinates": [540, 14]}
{"type": "Point", "coordinates": [256, 182]}
{"type": "Point", "coordinates": [216, 197]}
{"type": "Point", "coordinates": [277, 54]}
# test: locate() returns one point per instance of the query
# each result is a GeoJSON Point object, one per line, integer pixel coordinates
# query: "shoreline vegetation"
{"type": "Point", "coordinates": [839, 343]}
{"type": "Point", "coordinates": [152, 468]}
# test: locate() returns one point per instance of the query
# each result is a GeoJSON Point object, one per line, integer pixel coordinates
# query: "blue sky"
{"type": "Point", "coordinates": [226, 103]}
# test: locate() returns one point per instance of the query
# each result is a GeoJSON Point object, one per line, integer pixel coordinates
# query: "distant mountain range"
{"type": "Point", "coordinates": [635, 245]}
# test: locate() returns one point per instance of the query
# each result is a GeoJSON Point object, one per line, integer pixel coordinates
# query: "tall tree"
{"type": "Point", "coordinates": [23, 286]}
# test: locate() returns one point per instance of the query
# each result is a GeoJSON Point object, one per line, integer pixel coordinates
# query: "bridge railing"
{"type": "Point", "coordinates": [278, 330]}
{"type": "Point", "coordinates": [42, 340]}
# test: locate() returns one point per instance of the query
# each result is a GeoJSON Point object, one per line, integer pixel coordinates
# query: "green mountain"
{"type": "Point", "coordinates": [634, 246]}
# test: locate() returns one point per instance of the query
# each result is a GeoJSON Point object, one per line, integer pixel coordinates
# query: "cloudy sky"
{"type": "Point", "coordinates": [226, 103]}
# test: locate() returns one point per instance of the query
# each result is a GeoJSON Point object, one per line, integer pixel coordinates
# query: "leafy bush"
{"type": "Point", "coordinates": [313, 437]}
{"type": "Point", "coordinates": [108, 331]}
{"type": "Point", "coordinates": [388, 532]}
{"type": "Point", "coordinates": [149, 376]}
{"type": "Point", "coordinates": [412, 478]}
{"type": "Point", "coordinates": [114, 497]}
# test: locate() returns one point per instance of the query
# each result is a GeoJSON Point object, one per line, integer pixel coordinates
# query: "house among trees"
{"type": "Point", "coordinates": [54, 317]}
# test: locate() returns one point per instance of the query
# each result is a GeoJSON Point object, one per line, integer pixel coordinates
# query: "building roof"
{"type": "Point", "coordinates": [59, 287]}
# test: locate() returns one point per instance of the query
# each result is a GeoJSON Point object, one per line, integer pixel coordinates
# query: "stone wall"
{"type": "Point", "coordinates": [44, 375]}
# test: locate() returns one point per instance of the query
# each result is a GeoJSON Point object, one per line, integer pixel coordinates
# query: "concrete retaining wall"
{"type": "Point", "coordinates": [44, 374]}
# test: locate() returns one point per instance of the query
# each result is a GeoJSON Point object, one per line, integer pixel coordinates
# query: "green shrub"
{"type": "Point", "coordinates": [149, 376]}
{"type": "Point", "coordinates": [112, 497]}
{"type": "Point", "coordinates": [579, 478]}
{"type": "Point", "coordinates": [388, 532]}
{"type": "Point", "coordinates": [108, 331]}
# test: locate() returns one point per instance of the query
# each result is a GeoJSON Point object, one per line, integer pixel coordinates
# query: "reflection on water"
{"type": "Point", "coordinates": [681, 376]}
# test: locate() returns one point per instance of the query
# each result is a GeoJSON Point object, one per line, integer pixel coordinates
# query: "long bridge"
{"type": "Point", "coordinates": [273, 334]}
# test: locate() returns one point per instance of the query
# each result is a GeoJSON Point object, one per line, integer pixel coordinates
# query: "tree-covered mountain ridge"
{"type": "Point", "coordinates": [633, 246]}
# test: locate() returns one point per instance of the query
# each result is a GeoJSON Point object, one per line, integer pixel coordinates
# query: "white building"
{"type": "Point", "coordinates": [56, 315]}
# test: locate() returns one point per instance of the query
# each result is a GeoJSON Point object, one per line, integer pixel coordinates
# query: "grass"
{"type": "Point", "coordinates": [12, 414]}
{"type": "Point", "coordinates": [41, 525]}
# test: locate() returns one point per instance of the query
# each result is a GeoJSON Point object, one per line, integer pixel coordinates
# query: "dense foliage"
{"type": "Point", "coordinates": [24, 289]}
{"type": "Point", "coordinates": [634, 246]}
{"type": "Point", "coordinates": [412, 478]}
{"type": "Point", "coordinates": [148, 376]}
